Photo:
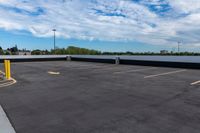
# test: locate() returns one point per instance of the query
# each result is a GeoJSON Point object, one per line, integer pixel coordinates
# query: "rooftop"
{"type": "Point", "coordinates": [82, 97]}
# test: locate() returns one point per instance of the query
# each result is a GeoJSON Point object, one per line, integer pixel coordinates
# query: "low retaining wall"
{"type": "Point", "coordinates": [118, 60]}
{"type": "Point", "coordinates": [162, 64]}
{"type": "Point", "coordinates": [32, 58]}
{"type": "Point", "coordinates": [37, 59]}
{"type": "Point", "coordinates": [112, 61]}
{"type": "Point", "coordinates": [194, 63]}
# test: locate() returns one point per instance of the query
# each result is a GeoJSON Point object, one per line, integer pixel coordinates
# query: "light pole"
{"type": "Point", "coordinates": [179, 47]}
{"type": "Point", "coordinates": [54, 31]}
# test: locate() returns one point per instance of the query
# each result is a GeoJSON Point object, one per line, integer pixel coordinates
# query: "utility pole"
{"type": "Point", "coordinates": [54, 31]}
{"type": "Point", "coordinates": [179, 46]}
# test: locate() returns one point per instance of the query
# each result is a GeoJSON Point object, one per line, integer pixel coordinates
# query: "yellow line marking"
{"type": "Point", "coordinates": [8, 83]}
{"type": "Point", "coordinates": [2, 72]}
{"type": "Point", "coordinates": [53, 73]}
{"type": "Point", "coordinates": [3, 81]}
{"type": "Point", "coordinates": [196, 82]}
{"type": "Point", "coordinates": [162, 74]}
{"type": "Point", "coordinates": [137, 70]}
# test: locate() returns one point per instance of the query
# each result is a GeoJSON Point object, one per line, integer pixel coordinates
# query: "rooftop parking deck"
{"type": "Point", "coordinates": [82, 97]}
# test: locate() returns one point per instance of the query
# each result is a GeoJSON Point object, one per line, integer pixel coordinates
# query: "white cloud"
{"type": "Point", "coordinates": [113, 20]}
{"type": "Point", "coordinates": [185, 6]}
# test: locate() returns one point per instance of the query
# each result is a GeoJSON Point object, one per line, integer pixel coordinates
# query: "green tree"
{"type": "Point", "coordinates": [36, 52]}
{"type": "Point", "coordinates": [7, 52]}
{"type": "Point", "coordinates": [1, 51]}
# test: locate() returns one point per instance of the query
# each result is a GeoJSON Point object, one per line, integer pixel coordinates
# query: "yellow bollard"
{"type": "Point", "coordinates": [5, 66]}
{"type": "Point", "coordinates": [7, 69]}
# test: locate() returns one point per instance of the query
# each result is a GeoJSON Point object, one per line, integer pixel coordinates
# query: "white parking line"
{"type": "Point", "coordinates": [5, 126]}
{"type": "Point", "coordinates": [167, 73]}
{"type": "Point", "coordinates": [137, 70]}
{"type": "Point", "coordinates": [53, 73]}
{"type": "Point", "coordinates": [196, 82]}
{"type": "Point", "coordinates": [78, 66]}
{"type": "Point", "coordinates": [86, 66]}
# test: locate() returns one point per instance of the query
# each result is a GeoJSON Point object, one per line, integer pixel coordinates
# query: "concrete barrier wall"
{"type": "Point", "coordinates": [161, 61]}
{"type": "Point", "coordinates": [93, 60]}
{"type": "Point", "coordinates": [162, 64]}
{"type": "Point", "coordinates": [33, 58]}
{"type": "Point", "coordinates": [188, 65]}
{"type": "Point", "coordinates": [38, 59]}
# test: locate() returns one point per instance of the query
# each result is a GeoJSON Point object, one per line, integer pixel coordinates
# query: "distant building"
{"type": "Point", "coordinates": [163, 52]}
{"type": "Point", "coordinates": [24, 53]}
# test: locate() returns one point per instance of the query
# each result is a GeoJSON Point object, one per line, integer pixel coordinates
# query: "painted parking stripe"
{"type": "Point", "coordinates": [87, 66]}
{"type": "Point", "coordinates": [108, 67]}
{"type": "Point", "coordinates": [53, 73]}
{"type": "Point", "coordinates": [11, 81]}
{"type": "Point", "coordinates": [167, 73]}
{"type": "Point", "coordinates": [195, 83]}
{"type": "Point", "coordinates": [5, 125]}
{"type": "Point", "coordinates": [137, 70]}
{"type": "Point", "coordinates": [99, 68]}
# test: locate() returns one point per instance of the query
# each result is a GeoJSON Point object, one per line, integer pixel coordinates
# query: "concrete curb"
{"type": "Point", "coordinates": [5, 125]}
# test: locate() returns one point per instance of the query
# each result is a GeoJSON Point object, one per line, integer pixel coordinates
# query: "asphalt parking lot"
{"type": "Point", "coordinates": [82, 97]}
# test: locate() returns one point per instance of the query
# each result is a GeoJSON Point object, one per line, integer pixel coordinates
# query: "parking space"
{"type": "Point", "coordinates": [83, 97]}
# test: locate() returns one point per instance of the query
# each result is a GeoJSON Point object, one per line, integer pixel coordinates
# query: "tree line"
{"type": "Point", "coordinates": [72, 50]}
{"type": "Point", "coordinates": [69, 50]}
{"type": "Point", "coordinates": [9, 51]}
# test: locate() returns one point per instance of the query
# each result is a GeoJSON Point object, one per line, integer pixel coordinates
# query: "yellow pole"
{"type": "Point", "coordinates": [7, 69]}
{"type": "Point", "coordinates": [5, 66]}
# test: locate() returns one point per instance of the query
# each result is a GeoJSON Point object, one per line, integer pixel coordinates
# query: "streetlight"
{"type": "Point", "coordinates": [179, 46]}
{"type": "Point", "coordinates": [54, 31]}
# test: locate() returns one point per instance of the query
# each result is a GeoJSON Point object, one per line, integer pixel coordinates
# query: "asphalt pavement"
{"type": "Point", "coordinates": [82, 97]}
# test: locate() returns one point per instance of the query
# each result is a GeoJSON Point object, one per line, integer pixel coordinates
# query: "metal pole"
{"type": "Point", "coordinates": [54, 40]}
{"type": "Point", "coordinates": [117, 60]}
{"type": "Point", "coordinates": [54, 31]}
{"type": "Point", "coordinates": [179, 47]}
{"type": "Point", "coordinates": [7, 69]}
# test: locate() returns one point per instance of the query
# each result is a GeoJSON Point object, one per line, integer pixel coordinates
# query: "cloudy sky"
{"type": "Point", "coordinates": [108, 25]}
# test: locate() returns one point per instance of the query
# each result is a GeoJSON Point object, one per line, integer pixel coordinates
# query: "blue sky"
{"type": "Point", "coordinates": [106, 25]}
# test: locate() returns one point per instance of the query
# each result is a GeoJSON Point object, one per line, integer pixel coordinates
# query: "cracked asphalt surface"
{"type": "Point", "coordinates": [101, 98]}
